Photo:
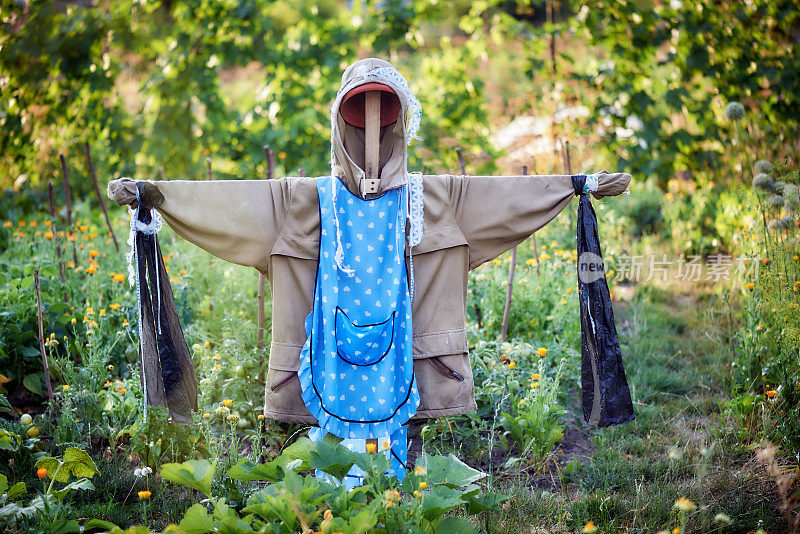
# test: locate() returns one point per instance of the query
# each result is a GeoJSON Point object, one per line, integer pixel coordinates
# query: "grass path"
{"type": "Point", "coordinates": [678, 345]}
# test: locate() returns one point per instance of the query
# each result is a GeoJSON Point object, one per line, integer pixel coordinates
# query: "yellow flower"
{"type": "Point", "coordinates": [182, 272]}
{"type": "Point", "coordinates": [207, 344]}
{"type": "Point", "coordinates": [420, 471]}
{"type": "Point", "coordinates": [684, 505]}
{"type": "Point", "coordinates": [65, 387]}
{"type": "Point", "coordinates": [536, 376]}
{"type": "Point", "coordinates": [233, 417]}
{"type": "Point", "coordinates": [115, 306]}
{"type": "Point", "coordinates": [417, 493]}
{"type": "Point", "coordinates": [73, 320]}
{"type": "Point", "coordinates": [91, 270]}
{"type": "Point", "coordinates": [541, 352]}
{"type": "Point", "coordinates": [370, 448]}
{"type": "Point", "coordinates": [119, 278]}
{"type": "Point", "coordinates": [676, 530]}
{"type": "Point", "coordinates": [771, 393]}
{"type": "Point", "coordinates": [206, 415]}
{"type": "Point", "coordinates": [423, 485]}
{"type": "Point", "coordinates": [122, 391]}
{"type": "Point", "coordinates": [534, 385]}
{"type": "Point", "coordinates": [227, 402]}
{"type": "Point", "coordinates": [512, 365]}
{"type": "Point", "coordinates": [102, 311]}
{"type": "Point", "coordinates": [110, 367]}
{"type": "Point", "coordinates": [94, 253]}
{"type": "Point", "coordinates": [41, 472]}
{"type": "Point", "coordinates": [48, 235]}
{"type": "Point", "coordinates": [497, 261]}
{"type": "Point", "coordinates": [144, 494]}
{"type": "Point", "coordinates": [384, 444]}
{"type": "Point", "coordinates": [750, 285]}
{"type": "Point", "coordinates": [261, 417]}
{"type": "Point", "coordinates": [589, 528]}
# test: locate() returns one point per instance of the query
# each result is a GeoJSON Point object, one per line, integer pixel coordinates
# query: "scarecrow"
{"type": "Point", "coordinates": [368, 269]}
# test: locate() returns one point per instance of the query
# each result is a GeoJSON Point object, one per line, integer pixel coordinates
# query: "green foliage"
{"type": "Point", "coordinates": [688, 60]}
{"type": "Point", "coordinates": [74, 462]}
{"type": "Point", "coordinates": [295, 502]}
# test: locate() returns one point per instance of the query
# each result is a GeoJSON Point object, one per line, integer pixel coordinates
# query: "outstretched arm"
{"type": "Point", "coordinates": [236, 220]}
{"type": "Point", "coordinates": [495, 213]}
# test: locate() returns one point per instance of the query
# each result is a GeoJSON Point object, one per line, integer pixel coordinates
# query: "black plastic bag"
{"type": "Point", "coordinates": [606, 396]}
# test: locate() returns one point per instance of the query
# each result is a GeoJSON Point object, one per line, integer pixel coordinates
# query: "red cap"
{"type": "Point", "coordinates": [352, 106]}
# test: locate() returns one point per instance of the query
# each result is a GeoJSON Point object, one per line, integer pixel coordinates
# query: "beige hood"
{"type": "Point", "coordinates": [347, 141]}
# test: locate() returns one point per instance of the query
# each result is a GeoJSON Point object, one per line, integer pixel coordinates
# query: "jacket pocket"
{"type": "Point", "coordinates": [444, 369]}
{"type": "Point", "coordinates": [363, 344]}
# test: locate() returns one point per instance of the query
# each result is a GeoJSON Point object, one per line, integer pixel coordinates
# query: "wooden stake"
{"type": "Point", "coordinates": [161, 172]}
{"type": "Point", "coordinates": [54, 228]}
{"type": "Point", "coordinates": [68, 203]}
{"type": "Point", "coordinates": [41, 334]}
{"type": "Point", "coordinates": [99, 194]}
{"type": "Point", "coordinates": [269, 155]}
{"type": "Point", "coordinates": [301, 172]}
{"type": "Point", "coordinates": [461, 161]}
{"type": "Point", "coordinates": [209, 175]}
{"type": "Point", "coordinates": [67, 198]}
{"type": "Point", "coordinates": [372, 117]}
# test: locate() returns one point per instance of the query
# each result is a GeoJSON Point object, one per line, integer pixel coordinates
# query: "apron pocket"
{"type": "Point", "coordinates": [363, 344]}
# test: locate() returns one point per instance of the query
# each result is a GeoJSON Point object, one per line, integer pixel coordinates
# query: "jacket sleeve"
{"type": "Point", "coordinates": [236, 220]}
{"type": "Point", "coordinates": [495, 213]}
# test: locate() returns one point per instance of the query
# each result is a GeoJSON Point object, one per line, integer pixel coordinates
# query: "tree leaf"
{"type": "Point", "coordinates": [455, 525]}
{"type": "Point", "coordinates": [80, 463]}
{"type": "Point", "coordinates": [448, 470]}
{"type": "Point", "coordinates": [33, 383]}
{"type": "Point", "coordinates": [438, 501]}
{"type": "Point", "coordinates": [80, 484]}
{"type": "Point", "coordinates": [196, 474]}
{"type": "Point", "coordinates": [196, 520]}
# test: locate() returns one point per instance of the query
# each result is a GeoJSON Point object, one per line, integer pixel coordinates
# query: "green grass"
{"type": "Point", "coordinates": [677, 351]}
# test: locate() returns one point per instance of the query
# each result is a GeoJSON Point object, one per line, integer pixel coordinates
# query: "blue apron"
{"type": "Point", "coordinates": [356, 367]}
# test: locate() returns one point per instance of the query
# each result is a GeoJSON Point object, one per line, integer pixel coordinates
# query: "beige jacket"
{"type": "Point", "coordinates": [274, 226]}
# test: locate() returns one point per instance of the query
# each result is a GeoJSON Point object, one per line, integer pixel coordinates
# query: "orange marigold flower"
{"type": "Point", "coordinates": [227, 402]}
{"type": "Point", "coordinates": [423, 485]}
{"type": "Point", "coordinates": [370, 448]}
{"type": "Point", "coordinates": [94, 253]}
{"type": "Point", "coordinates": [512, 365]}
{"type": "Point", "coordinates": [122, 391]}
{"type": "Point", "coordinates": [144, 494]}
{"type": "Point", "coordinates": [91, 270]}
{"type": "Point", "coordinates": [41, 472]}
{"type": "Point", "coordinates": [8, 224]}
{"type": "Point", "coordinates": [119, 277]}
{"type": "Point", "coordinates": [771, 393]}
{"type": "Point", "coordinates": [182, 272]}
{"type": "Point", "coordinates": [282, 155]}
{"type": "Point", "coordinates": [114, 306]}
{"type": "Point", "coordinates": [48, 235]}
{"type": "Point", "coordinates": [21, 224]}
